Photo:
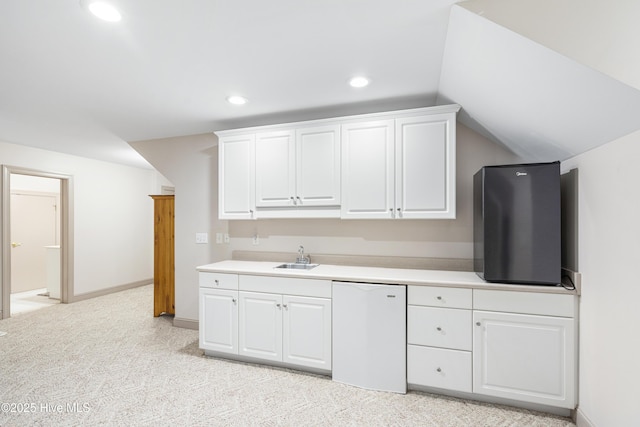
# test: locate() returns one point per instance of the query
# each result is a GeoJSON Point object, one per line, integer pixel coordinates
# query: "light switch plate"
{"type": "Point", "coordinates": [202, 238]}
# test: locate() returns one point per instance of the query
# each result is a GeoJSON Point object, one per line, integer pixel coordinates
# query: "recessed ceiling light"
{"type": "Point", "coordinates": [359, 81]}
{"type": "Point", "coordinates": [237, 100]}
{"type": "Point", "coordinates": [104, 11]}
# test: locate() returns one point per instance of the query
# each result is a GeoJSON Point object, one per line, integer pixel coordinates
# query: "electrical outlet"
{"type": "Point", "coordinates": [202, 238]}
{"type": "Point", "coordinates": [256, 239]}
{"type": "Point", "coordinates": [219, 238]}
{"type": "Point", "coordinates": [226, 237]}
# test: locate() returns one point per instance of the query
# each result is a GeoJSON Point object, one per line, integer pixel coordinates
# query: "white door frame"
{"type": "Point", "coordinates": [66, 234]}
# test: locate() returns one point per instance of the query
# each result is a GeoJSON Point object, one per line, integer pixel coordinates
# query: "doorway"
{"type": "Point", "coordinates": [36, 238]}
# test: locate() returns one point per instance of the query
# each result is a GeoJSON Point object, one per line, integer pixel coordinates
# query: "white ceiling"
{"type": "Point", "coordinates": [72, 83]}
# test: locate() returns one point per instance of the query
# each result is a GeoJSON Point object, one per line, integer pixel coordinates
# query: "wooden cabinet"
{"type": "Point", "coordinates": [526, 349]}
{"type": "Point", "coordinates": [401, 168]}
{"type": "Point", "coordinates": [236, 177]}
{"type": "Point", "coordinates": [439, 337]}
{"type": "Point", "coordinates": [397, 164]}
{"type": "Point", "coordinates": [298, 168]}
{"type": "Point", "coordinates": [163, 255]}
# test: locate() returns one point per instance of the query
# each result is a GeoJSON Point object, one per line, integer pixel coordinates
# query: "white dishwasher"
{"type": "Point", "coordinates": [370, 335]}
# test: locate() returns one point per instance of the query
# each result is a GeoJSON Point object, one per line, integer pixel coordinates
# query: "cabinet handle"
{"type": "Point", "coordinates": [233, 300]}
{"type": "Point", "coordinates": [217, 283]}
{"type": "Point", "coordinates": [251, 213]}
{"type": "Point", "coordinates": [478, 324]}
{"type": "Point", "coordinates": [299, 199]}
{"type": "Point", "coordinates": [392, 213]}
{"type": "Point", "coordinates": [399, 213]}
{"type": "Point", "coordinates": [439, 298]}
{"type": "Point", "coordinates": [285, 306]}
{"type": "Point", "coordinates": [278, 305]}
{"type": "Point", "coordinates": [439, 328]}
{"type": "Point", "coordinates": [438, 370]}
{"type": "Point", "coordinates": [293, 200]}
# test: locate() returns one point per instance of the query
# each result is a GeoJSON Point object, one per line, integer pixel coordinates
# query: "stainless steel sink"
{"type": "Point", "coordinates": [297, 266]}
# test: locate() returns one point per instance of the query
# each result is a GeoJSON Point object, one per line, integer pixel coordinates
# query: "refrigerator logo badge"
{"type": "Point", "coordinates": [521, 174]}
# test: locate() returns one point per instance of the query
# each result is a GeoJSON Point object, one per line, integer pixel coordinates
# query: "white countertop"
{"type": "Point", "coordinates": [457, 279]}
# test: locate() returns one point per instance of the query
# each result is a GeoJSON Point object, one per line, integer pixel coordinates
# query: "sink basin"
{"type": "Point", "coordinates": [297, 266]}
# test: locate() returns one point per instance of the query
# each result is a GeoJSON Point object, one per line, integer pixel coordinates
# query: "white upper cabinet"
{"type": "Point", "coordinates": [368, 170]}
{"type": "Point", "coordinates": [318, 166]}
{"type": "Point", "coordinates": [298, 168]}
{"type": "Point", "coordinates": [425, 153]}
{"type": "Point", "coordinates": [236, 183]}
{"type": "Point", "coordinates": [275, 169]}
{"type": "Point", "coordinates": [397, 164]}
{"type": "Point", "coordinates": [402, 168]}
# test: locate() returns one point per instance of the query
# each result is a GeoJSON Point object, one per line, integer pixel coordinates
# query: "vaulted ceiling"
{"type": "Point", "coordinates": [546, 78]}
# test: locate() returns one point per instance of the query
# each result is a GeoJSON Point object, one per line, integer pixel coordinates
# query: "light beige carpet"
{"type": "Point", "coordinates": [107, 361]}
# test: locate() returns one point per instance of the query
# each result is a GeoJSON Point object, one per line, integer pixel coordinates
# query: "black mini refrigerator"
{"type": "Point", "coordinates": [516, 223]}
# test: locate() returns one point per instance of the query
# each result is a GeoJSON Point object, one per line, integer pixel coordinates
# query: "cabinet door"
{"type": "Point", "coordinates": [275, 169]}
{"type": "Point", "coordinates": [307, 331]}
{"type": "Point", "coordinates": [524, 357]}
{"type": "Point", "coordinates": [219, 320]}
{"type": "Point", "coordinates": [260, 325]}
{"type": "Point", "coordinates": [318, 166]}
{"type": "Point", "coordinates": [236, 196]}
{"type": "Point", "coordinates": [368, 170]}
{"type": "Point", "coordinates": [425, 167]}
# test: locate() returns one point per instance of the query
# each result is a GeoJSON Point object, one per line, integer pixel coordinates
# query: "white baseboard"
{"type": "Point", "coordinates": [108, 291]}
{"type": "Point", "coordinates": [582, 420]}
{"type": "Point", "coordinates": [185, 323]}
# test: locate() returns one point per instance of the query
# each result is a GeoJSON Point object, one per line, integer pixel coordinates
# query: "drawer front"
{"type": "Point", "coordinates": [286, 285]}
{"type": "Point", "coordinates": [218, 280]}
{"type": "Point", "coordinates": [439, 327]}
{"type": "Point", "coordinates": [441, 368]}
{"type": "Point", "coordinates": [524, 302]}
{"type": "Point", "coordinates": [435, 296]}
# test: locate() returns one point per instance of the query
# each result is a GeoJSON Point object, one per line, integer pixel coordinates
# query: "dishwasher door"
{"type": "Point", "coordinates": [370, 336]}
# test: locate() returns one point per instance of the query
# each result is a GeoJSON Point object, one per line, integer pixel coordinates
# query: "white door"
{"type": "Point", "coordinates": [524, 357]}
{"type": "Point", "coordinates": [275, 169]}
{"type": "Point", "coordinates": [33, 226]}
{"type": "Point", "coordinates": [236, 166]}
{"type": "Point", "coordinates": [318, 166]}
{"type": "Point", "coordinates": [260, 325]}
{"type": "Point", "coordinates": [219, 320]}
{"type": "Point", "coordinates": [424, 175]}
{"type": "Point", "coordinates": [368, 170]}
{"type": "Point", "coordinates": [307, 331]}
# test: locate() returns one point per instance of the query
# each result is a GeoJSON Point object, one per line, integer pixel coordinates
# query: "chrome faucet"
{"type": "Point", "coordinates": [302, 258]}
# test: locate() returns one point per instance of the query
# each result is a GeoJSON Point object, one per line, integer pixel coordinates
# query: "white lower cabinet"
{"type": "Point", "coordinates": [439, 367]}
{"type": "Point", "coordinates": [219, 320]}
{"type": "Point", "coordinates": [524, 347]}
{"type": "Point", "coordinates": [439, 338]}
{"type": "Point", "coordinates": [306, 328]}
{"type": "Point", "coordinates": [524, 357]}
{"type": "Point", "coordinates": [286, 328]}
{"type": "Point", "coordinates": [261, 325]}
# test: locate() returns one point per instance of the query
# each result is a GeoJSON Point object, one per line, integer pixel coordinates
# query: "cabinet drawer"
{"type": "Point", "coordinates": [436, 367]}
{"type": "Point", "coordinates": [435, 296]}
{"type": "Point", "coordinates": [439, 327]}
{"type": "Point", "coordinates": [524, 302]}
{"type": "Point", "coordinates": [218, 280]}
{"type": "Point", "coordinates": [286, 285]}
